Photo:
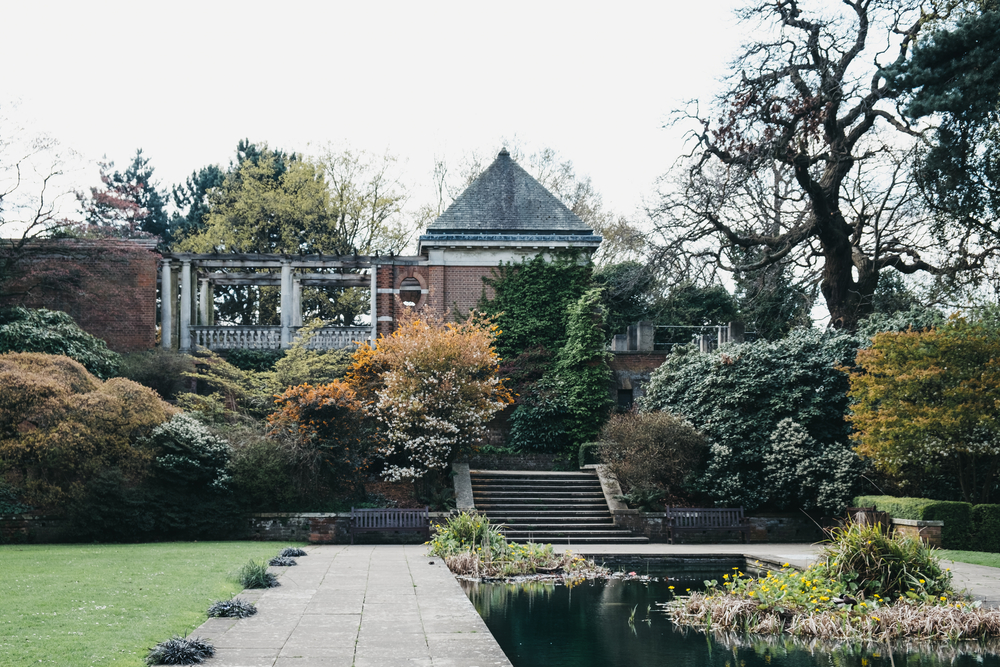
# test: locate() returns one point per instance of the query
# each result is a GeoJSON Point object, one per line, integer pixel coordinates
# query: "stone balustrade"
{"type": "Point", "coordinates": [269, 337]}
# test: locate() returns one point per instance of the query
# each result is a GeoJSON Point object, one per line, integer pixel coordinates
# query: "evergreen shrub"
{"type": "Point", "coordinates": [55, 332]}
{"type": "Point", "coordinates": [254, 360]}
{"type": "Point", "coordinates": [986, 528]}
{"type": "Point", "coordinates": [739, 394]}
{"type": "Point", "coordinates": [164, 371]}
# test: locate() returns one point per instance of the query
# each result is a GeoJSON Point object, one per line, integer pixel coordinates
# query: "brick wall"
{"type": "Point", "coordinates": [454, 289]}
{"type": "Point", "coordinates": [108, 287]}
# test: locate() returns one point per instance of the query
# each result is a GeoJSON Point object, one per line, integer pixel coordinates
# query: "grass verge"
{"type": "Point", "coordinates": [76, 604]}
{"type": "Point", "coordinates": [971, 557]}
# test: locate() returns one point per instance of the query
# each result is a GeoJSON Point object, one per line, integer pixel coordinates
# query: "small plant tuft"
{"type": "Point", "coordinates": [293, 552]}
{"type": "Point", "coordinates": [282, 561]}
{"type": "Point", "coordinates": [180, 651]}
{"type": "Point", "coordinates": [255, 575]}
{"type": "Point", "coordinates": [234, 608]}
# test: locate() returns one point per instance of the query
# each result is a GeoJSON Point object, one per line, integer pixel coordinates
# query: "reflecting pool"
{"type": "Point", "coordinates": [587, 625]}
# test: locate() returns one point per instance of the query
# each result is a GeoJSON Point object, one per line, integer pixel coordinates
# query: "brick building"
{"type": "Point", "coordinates": [108, 286]}
{"type": "Point", "coordinates": [505, 215]}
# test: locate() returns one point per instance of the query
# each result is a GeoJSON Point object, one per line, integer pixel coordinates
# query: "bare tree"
{"type": "Point", "coordinates": [805, 159]}
{"type": "Point", "coordinates": [30, 169]}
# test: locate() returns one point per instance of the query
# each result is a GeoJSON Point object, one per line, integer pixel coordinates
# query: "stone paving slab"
{"type": "Point", "coordinates": [357, 606]}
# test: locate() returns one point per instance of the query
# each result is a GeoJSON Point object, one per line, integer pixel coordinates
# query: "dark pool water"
{"type": "Point", "coordinates": [587, 625]}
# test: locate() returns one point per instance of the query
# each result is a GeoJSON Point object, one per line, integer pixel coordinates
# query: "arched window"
{"type": "Point", "coordinates": [409, 292]}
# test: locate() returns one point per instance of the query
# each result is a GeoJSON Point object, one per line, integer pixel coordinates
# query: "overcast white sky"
{"type": "Point", "coordinates": [186, 80]}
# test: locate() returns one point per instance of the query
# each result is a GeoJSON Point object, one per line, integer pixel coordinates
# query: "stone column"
{"type": "Point", "coordinates": [736, 332]}
{"type": "Point", "coordinates": [374, 299]}
{"type": "Point", "coordinates": [296, 302]}
{"type": "Point", "coordinates": [204, 299]}
{"type": "Point", "coordinates": [184, 336]}
{"type": "Point", "coordinates": [286, 303]}
{"type": "Point", "coordinates": [166, 306]}
{"type": "Point", "coordinates": [645, 334]}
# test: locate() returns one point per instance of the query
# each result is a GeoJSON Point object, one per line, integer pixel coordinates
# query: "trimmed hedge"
{"type": "Point", "coordinates": [986, 528]}
{"type": "Point", "coordinates": [957, 516]}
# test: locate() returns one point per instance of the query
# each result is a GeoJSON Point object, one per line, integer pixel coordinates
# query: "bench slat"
{"type": "Point", "coordinates": [383, 518]}
{"type": "Point", "coordinates": [680, 519]}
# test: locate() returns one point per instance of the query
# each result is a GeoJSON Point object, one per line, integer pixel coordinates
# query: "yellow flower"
{"type": "Point", "coordinates": [670, 587]}
{"type": "Point", "coordinates": [876, 618]}
{"type": "Point", "coordinates": [750, 593]}
{"type": "Point", "coordinates": [921, 581]}
{"type": "Point", "coordinates": [943, 598]}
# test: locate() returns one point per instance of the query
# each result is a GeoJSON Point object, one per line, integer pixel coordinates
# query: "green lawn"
{"type": "Point", "coordinates": [973, 557]}
{"type": "Point", "coordinates": [108, 604]}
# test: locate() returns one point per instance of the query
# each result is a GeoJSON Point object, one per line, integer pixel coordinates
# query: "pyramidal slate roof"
{"type": "Point", "coordinates": [505, 199]}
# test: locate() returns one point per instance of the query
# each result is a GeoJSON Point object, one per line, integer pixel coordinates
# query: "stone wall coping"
{"type": "Point", "coordinates": [609, 485]}
{"type": "Point", "coordinates": [917, 523]}
{"type": "Point", "coordinates": [325, 515]}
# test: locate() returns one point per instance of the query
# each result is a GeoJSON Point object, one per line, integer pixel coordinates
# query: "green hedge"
{"type": "Point", "coordinates": [958, 525]}
{"type": "Point", "coordinates": [986, 528]}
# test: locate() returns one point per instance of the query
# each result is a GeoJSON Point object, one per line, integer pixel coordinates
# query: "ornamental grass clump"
{"type": "Point", "coordinates": [180, 651]}
{"type": "Point", "coordinates": [883, 564]}
{"type": "Point", "coordinates": [254, 574]}
{"type": "Point", "coordinates": [233, 608]}
{"type": "Point", "coordinates": [293, 552]}
{"type": "Point", "coordinates": [868, 584]}
{"type": "Point", "coordinates": [282, 561]}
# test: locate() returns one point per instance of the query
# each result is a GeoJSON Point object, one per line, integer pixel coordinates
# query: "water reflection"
{"type": "Point", "coordinates": [542, 624]}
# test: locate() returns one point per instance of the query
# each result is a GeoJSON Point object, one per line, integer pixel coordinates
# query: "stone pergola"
{"type": "Point", "coordinates": [504, 216]}
{"type": "Point", "coordinates": [195, 325]}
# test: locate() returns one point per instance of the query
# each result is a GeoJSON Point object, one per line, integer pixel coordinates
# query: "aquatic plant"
{"type": "Point", "coordinates": [472, 546]}
{"type": "Point", "coordinates": [868, 584]}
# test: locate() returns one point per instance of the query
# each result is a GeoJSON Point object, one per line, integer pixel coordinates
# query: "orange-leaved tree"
{"type": "Point", "coordinates": [433, 386]}
{"type": "Point", "coordinates": [329, 420]}
{"type": "Point", "coordinates": [929, 399]}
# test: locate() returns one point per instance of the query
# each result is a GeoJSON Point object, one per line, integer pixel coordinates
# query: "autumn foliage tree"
{"type": "Point", "coordinates": [434, 386]}
{"type": "Point", "coordinates": [928, 399]}
{"type": "Point", "coordinates": [329, 420]}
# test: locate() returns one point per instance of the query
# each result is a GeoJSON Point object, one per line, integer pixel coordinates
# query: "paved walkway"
{"type": "Point", "coordinates": [365, 606]}
{"type": "Point", "coordinates": [394, 606]}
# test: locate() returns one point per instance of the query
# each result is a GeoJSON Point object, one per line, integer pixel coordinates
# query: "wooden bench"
{"type": "Point", "coordinates": [385, 519]}
{"type": "Point", "coordinates": [702, 519]}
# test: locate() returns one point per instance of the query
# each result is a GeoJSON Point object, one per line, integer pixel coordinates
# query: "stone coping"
{"type": "Point", "coordinates": [916, 523]}
{"type": "Point", "coordinates": [322, 515]}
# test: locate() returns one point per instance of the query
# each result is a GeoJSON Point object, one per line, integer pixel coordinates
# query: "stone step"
{"type": "Point", "coordinates": [541, 503]}
{"type": "Point", "coordinates": [554, 510]}
{"type": "Point", "coordinates": [549, 487]}
{"type": "Point", "coordinates": [551, 515]}
{"type": "Point", "coordinates": [556, 539]}
{"type": "Point", "coordinates": [549, 527]}
{"type": "Point", "coordinates": [568, 535]}
{"type": "Point", "coordinates": [539, 493]}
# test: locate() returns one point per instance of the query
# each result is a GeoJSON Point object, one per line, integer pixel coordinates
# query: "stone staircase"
{"type": "Point", "coordinates": [548, 507]}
